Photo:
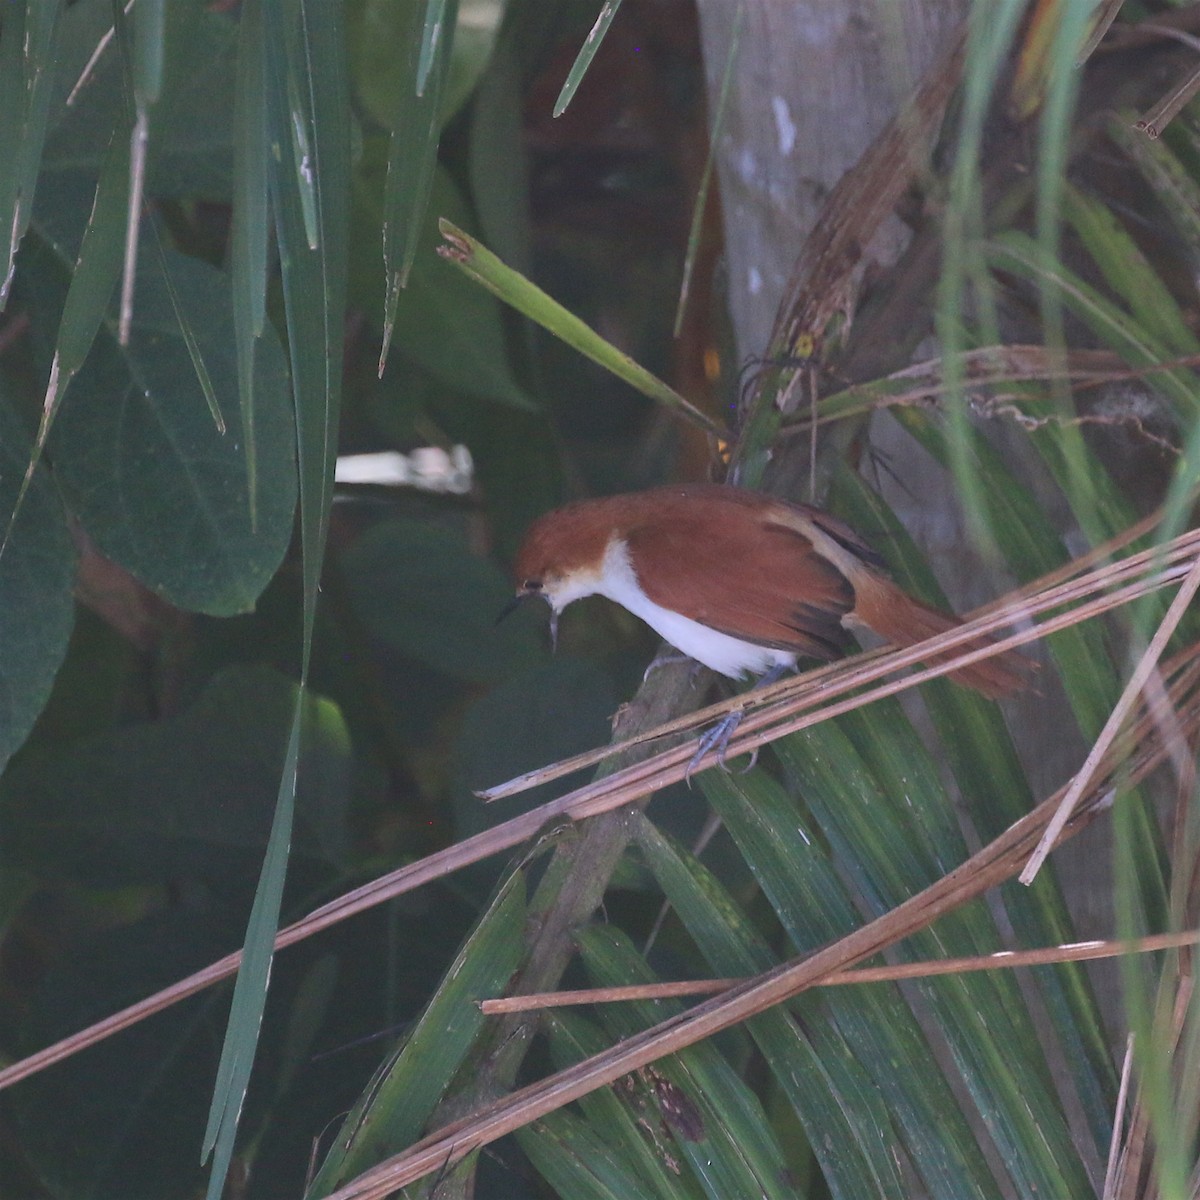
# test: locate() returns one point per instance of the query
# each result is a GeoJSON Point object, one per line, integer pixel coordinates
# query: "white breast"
{"type": "Point", "coordinates": [728, 655]}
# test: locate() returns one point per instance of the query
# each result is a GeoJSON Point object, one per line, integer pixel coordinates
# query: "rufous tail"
{"type": "Point", "coordinates": [895, 616]}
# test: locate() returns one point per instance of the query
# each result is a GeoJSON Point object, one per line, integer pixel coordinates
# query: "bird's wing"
{"type": "Point", "coordinates": [745, 575]}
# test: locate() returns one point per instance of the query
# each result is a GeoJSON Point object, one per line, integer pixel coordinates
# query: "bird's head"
{"type": "Point", "coordinates": [562, 557]}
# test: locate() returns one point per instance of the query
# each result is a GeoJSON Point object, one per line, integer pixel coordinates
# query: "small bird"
{"type": "Point", "coordinates": [744, 583]}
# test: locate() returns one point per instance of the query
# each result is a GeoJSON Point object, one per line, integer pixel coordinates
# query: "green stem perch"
{"type": "Point", "coordinates": [513, 288]}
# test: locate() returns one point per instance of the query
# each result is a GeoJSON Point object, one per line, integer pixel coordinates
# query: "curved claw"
{"type": "Point", "coordinates": [718, 738]}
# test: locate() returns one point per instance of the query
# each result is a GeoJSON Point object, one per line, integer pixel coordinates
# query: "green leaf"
{"type": "Point", "coordinates": [149, 25]}
{"type": "Point", "coordinates": [1127, 337]}
{"type": "Point", "coordinates": [1129, 273]}
{"type": "Point", "coordinates": [476, 261]}
{"type": "Point", "coordinates": [1032, 547]}
{"type": "Point", "coordinates": [867, 805]}
{"type": "Point", "coordinates": [978, 749]}
{"type": "Point", "coordinates": [122, 1122]}
{"type": "Point", "coordinates": [381, 74]}
{"type": "Point", "coordinates": [250, 990]}
{"type": "Point", "coordinates": [313, 275]}
{"type": "Point", "coordinates": [152, 481]}
{"type": "Point", "coordinates": [573, 1159]}
{"type": "Point", "coordinates": [251, 227]}
{"type": "Point", "coordinates": [448, 326]}
{"type": "Point", "coordinates": [191, 122]}
{"type": "Point", "coordinates": [1175, 187]}
{"type": "Point", "coordinates": [37, 570]}
{"type": "Point", "coordinates": [412, 153]}
{"type": "Point", "coordinates": [709, 1117]}
{"type": "Point", "coordinates": [846, 1119]}
{"type": "Point", "coordinates": [29, 56]}
{"type": "Point", "coordinates": [613, 1116]}
{"type": "Point", "coordinates": [587, 52]}
{"type": "Point", "coordinates": [395, 1106]}
{"type": "Point", "coordinates": [136, 806]}
{"type": "Point", "coordinates": [419, 589]}
{"type": "Point", "coordinates": [542, 715]}
{"type": "Point", "coordinates": [307, 104]}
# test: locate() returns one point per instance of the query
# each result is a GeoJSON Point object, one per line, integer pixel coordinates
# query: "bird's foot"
{"type": "Point", "coordinates": [717, 738]}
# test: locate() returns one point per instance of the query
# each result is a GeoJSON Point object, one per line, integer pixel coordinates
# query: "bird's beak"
{"type": "Point", "coordinates": [519, 599]}
{"type": "Point", "coordinates": [512, 606]}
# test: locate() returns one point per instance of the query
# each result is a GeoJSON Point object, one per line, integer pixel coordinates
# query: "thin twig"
{"type": "Point", "coordinates": [999, 960]}
{"type": "Point", "coordinates": [1115, 1148]}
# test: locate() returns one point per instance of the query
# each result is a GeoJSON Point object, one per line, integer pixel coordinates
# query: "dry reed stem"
{"type": "Point", "coordinates": [997, 961]}
{"type": "Point", "coordinates": [1121, 710]}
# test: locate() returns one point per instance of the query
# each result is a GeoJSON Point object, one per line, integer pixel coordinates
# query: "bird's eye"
{"type": "Point", "coordinates": [531, 585]}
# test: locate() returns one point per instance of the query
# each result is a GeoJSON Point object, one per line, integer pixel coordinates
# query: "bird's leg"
{"type": "Point", "coordinates": [718, 736]}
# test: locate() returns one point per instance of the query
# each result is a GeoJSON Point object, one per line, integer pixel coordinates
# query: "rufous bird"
{"type": "Point", "coordinates": [744, 583]}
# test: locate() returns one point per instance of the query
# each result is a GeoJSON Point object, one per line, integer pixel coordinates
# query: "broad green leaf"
{"type": "Point", "coordinates": [712, 1120]}
{"type": "Point", "coordinates": [541, 715]}
{"type": "Point", "coordinates": [781, 848]}
{"type": "Point", "coordinates": [445, 323]}
{"type": "Point", "coordinates": [29, 56]}
{"type": "Point", "coordinates": [136, 806]}
{"type": "Point", "coordinates": [499, 170]}
{"type": "Point", "coordinates": [419, 589]}
{"type": "Point", "coordinates": [846, 1119]}
{"type": "Point", "coordinates": [37, 570]}
{"type": "Point", "coordinates": [122, 1121]}
{"type": "Point", "coordinates": [394, 1108]}
{"type": "Point", "coordinates": [613, 1114]}
{"type": "Point", "coordinates": [378, 27]}
{"type": "Point", "coordinates": [190, 123]}
{"type": "Point", "coordinates": [152, 481]}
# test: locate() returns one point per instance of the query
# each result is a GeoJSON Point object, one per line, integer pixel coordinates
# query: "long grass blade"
{"type": "Point", "coordinates": [307, 106]}
{"type": "Point", "coordinates": [714, 137]}
{"type": "Point", "coordinates": [473, 258]}
{"type": "Point", "coordinates": [251, 224]}
{"type": "Point", "coordinates": [587, 52]}
{"type": "Point", "coordinates": [249, 993]}
{"type": "Point", "coordinates": [28, 53]}
{"type": "Point", "coordinates": [412, 151]}
{"type": "Point", "coordinates": [97, 269]}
